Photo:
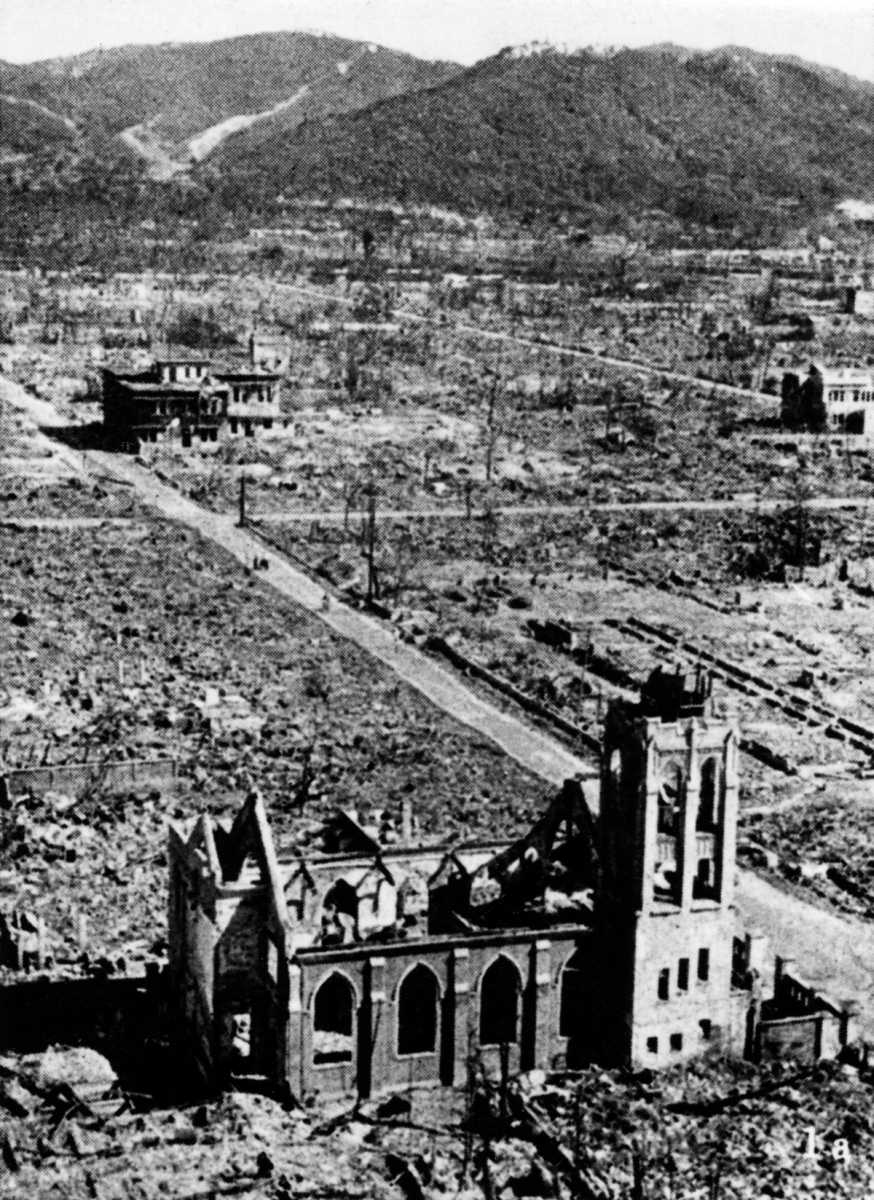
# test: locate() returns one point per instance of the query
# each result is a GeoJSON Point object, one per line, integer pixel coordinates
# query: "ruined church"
{"type": "Point", "coordinates": [378, 961]}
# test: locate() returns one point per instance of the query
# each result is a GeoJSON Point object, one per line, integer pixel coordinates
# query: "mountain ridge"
{"type": "Point", "coordinates": [178, 90]}
{"type": "Point", "coordinates": [729, 138]}
{"type": "Point", "coordinates": [716, 132]}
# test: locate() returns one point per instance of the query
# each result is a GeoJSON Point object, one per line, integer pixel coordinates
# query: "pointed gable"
{"type": "Point", "coordinates": [248, 845]}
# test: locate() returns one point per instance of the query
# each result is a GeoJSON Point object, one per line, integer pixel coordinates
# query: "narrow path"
{"type": "Point", "coordinates": [455, 512]}
{"type": "Point", "coordinates": [629, 365]}
{"type": "Point", "coordinates": [536, 751]}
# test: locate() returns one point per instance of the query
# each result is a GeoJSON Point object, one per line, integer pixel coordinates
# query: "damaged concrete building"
{"type": "Point", "coordinates": [377, 962]}
{"type": "Point", "coordinates": [186, 399]}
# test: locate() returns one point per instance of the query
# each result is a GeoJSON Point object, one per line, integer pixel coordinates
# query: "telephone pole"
{"type": "Point", "coordinates": [242, 520]}
{"type": "Point", "coordinates": [371, 542]}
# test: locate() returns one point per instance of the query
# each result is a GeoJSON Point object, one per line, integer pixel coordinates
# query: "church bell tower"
{"type": "Point", "coordinates": [669, 794]}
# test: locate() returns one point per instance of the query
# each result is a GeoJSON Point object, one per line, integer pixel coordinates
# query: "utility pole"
{"type": "Point", "coordinates": [242, 520]}
{"type": "Point", "coordinates": [490, 429]}
{"type": "Point", "coordinates": [371, 542]}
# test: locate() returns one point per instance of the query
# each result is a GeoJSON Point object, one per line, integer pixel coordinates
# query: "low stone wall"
{"type": "Point", "coordinates": [78, 778]}
{"type": "Point", "coordinates": [470, 666]}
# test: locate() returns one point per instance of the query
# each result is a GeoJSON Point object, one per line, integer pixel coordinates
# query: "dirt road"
{"type": "Point", "coordinates": [834, 951]}
{"type": "Point", "coordinates": [454, 512]}
{"type": "Point", "coordinates": [534, 750]}
{"type": "Point", "coordinates": [627, 365]}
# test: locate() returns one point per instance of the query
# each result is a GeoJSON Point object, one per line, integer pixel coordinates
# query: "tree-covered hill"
{"type": "Point", "coordinates": [711, 137]}
{"type": "Point", "coordinates": [179, 90]}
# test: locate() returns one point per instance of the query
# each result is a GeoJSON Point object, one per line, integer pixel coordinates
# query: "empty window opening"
{"type": "Point", "coordinates": [703, 964]}
{"type": "Point", "coordinates": [340, 913]}
{"type": "Point", "coordinates": [572, 1000]}
{"type": "Point", "coordinates": [707, 803]}
{"type": "Point", "coordinates": [706, 1030]}
{"type": "Point", "coordinates": [652, 1045]}
{"type": "Point", "coordinates": [418, 998]}
{"type": "Point", "coordinates": [333, 1021]}
{"type": "Point", "coordinates": [241, 1037]}
{"type": "Point", "coordinates": [676, 1041]}
{"type": "Point", "coordinates": [664, 983]}
{"type": "Point", "coordinates": [704, 884]}
{"type": "Point", "coordinates": [669, 799]}
{"type": "Point", "coordinates": [499, 1004]}
{"type": "Point", "coordinates": [666, 877]}
{"type": "Point", "coordinates": [683, 975]}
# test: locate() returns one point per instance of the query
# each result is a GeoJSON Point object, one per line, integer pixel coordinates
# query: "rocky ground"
{"type": "Point", "coordinates": [733, 1131]}
{"type": "Point", "coordinates": [113, 634]}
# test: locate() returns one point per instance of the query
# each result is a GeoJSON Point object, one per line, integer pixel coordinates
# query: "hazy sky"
{"type": "Point", "coordinates": [836, 32]}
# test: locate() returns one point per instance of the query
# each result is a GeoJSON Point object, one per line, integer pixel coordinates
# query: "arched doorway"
{"type": "Point", "coordinates": [500, 989]}
{"type": "Point", "coordinates": [417, 1012]}
{"type": "Point", "coordinates": [334, 1021]}
{"type": "Point", "coordinates": [575, 1007]}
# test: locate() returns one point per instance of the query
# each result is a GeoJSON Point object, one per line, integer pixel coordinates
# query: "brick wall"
{"type": "Point", "coordinates": [376, 975]}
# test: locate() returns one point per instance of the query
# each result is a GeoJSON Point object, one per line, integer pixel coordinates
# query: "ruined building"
{"type": "Point", "coordinates": [379, 961]}
{"type": "Point", "coordinates": [830, 399]}
{"type": "Point", "coordinates": [184, 399]}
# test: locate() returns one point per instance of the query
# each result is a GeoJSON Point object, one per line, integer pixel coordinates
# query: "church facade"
{"type": "Point", "coordinates": [377, 962]}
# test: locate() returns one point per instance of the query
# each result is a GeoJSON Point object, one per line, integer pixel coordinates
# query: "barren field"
{"type": "Point", "coordinates": [437, 415]}
{"type": "Point", "coordinates": [449, 448]}
{"type": "Point", "coordinates": [792, 658]}
{"type": "Point", "coordinates": [112, 636]}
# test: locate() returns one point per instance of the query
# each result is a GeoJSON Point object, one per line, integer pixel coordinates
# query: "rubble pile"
{"type": "Point", "coordinates": [67, 1128]}
{"type": "Point", "coordinates": [116, 659]}
{"type": "Point", "coordinates": [731, 1129]}
{"type": "Point", "coordinates": [38, 479]}
{"type": "Point", "coordinates": [70, 498]}
{"type": "Point", "coordinates": [825, 843]}
{"type": "Point", "coordinates": [93, 874]}
{"type": "Point", "coordinates": [727, 1129]}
